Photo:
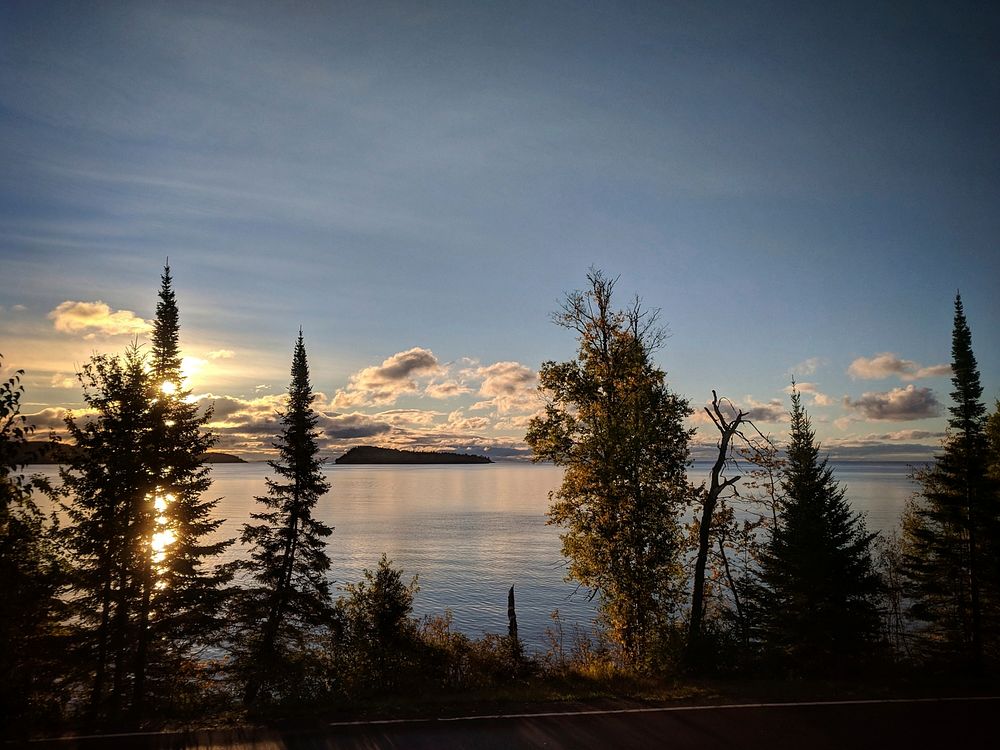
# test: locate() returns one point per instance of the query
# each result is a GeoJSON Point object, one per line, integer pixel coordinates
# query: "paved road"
{"type": "Point", "coordinates": [854, 725]}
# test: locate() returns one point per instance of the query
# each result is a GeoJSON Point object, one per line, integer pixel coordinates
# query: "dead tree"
{"type": "Point", "coordinates": [727, 430]}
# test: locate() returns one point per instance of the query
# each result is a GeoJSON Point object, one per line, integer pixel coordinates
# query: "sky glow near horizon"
{"type": "Point", "coordinates": [800, 191]}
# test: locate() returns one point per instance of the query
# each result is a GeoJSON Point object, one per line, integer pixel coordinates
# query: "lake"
{"type": "Point", "coordinates": [473, 531]}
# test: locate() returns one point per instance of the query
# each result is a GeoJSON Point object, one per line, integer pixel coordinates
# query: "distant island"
{"type": "Point", "coordinates": [44, 452]}
{"type": "Point", "coordinates": [369, 454]}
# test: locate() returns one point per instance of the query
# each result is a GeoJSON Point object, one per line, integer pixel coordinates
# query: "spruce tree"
{"type": "Point", "coordinates": [287, 599]}
{"type": "Point", "coordinates": [951, 538]}
{"type": "Point", "coordinates": [183, 591]}
{"type": "Point", "coordinates": [818, 604]}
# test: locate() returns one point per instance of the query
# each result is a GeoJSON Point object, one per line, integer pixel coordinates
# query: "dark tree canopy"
{"type": "Point", "coordinates": [146, 598]}
{"type": "Point", "coordinates": [287, 594]}
{"type": "Point", "coordinates": [819, 597]}
{"type": "Point", "coordinates": [618, 430]}
{"type": "Point", "coordinates": [108, 485]}
{"type": "Point", "coordinates": [30, 572]}
{"type": "Point", "coordinates": [952, 529]}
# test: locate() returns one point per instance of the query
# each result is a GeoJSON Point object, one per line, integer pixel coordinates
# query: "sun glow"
{"type": "Point", "coordinates": [168, 387]}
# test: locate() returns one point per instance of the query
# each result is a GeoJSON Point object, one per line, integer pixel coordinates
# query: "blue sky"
{"type": "Point", "coordinates": [798, 187]}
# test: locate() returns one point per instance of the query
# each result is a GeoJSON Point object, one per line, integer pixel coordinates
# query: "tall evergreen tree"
{"type": "Point", "coordinates": [616, 427]}
{"type": "Point", "coordinates": [818, 604]}
{"type": "Point", "coordinates": [182, 590]}
{"type": "Point", "coordinates": [952, 529]}
{"type": "Point", "coordinates": [144, 593]}
{"type": "Point", "coordinates": [287, 598]}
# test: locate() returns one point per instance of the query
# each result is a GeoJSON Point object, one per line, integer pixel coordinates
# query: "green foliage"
{"type": "Point", "coordinates": [819, 601]}
{"type": "Point", "coordinates": [952, 528]}
{"type": "Point", "coordinates": [617, 429]}
{"type": "Point", "coordinates": [287, 601]}
{"type": "Point", "coordinates": [379, 633]}
{"type": "Point", "coordinates": [31, 576]}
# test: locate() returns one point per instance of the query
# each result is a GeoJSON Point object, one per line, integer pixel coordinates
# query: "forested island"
{"type": "Point", "coordinates": [370, 454]}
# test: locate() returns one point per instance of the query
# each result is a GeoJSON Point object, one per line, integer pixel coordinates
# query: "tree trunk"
{"type": "Point", "coordinates": [726, 430]}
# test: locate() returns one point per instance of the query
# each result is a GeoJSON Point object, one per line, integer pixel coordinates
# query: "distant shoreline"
{"type": "Point", "coordinates": [370, 454]}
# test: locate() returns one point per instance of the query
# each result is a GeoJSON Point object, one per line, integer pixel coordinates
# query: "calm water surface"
{"type": "Point", "coordinates": [471, 532]}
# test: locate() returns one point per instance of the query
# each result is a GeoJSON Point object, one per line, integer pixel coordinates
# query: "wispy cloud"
{"type": "Point", "coordinates": [806, 367]}
{"type": "Point", "coordinates": [812, 390]}
{"type": "Point", "coordinates": [887, 364]}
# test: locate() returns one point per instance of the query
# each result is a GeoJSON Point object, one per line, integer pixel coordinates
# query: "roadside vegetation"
{"type": "Point", "coordinates": [760, 583]}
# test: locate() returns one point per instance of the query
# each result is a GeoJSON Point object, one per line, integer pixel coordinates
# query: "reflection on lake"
{"type": "Point", "coordinates": [472, 531]}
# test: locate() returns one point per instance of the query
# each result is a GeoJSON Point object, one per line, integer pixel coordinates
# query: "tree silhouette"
{"type": "Point", "coordinates": [287, 596]}
{"type": "Point", "coordinates": [144, 597]}
{"type": "Point", "coordinates": [111, 520]}
{"type": "Point", "coordinates": [30, 572]}
{"type": "Point", "coordinates": [952, 529]}
{"type": "Point", "coordinates": [820, 589]}
{"type": "Point", "coordinates": [182, 592]}
{"type": "Point", "coordinates": [616, 427]}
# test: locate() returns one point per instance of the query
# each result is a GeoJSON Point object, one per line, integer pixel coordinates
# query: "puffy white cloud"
{"type": "Point", "coordinates": [887, 364]}
{"type": "Point", "coordinates": [510, 387]}
{"type": "Point", "coordinates": [898, 405]}
{"type": "Point", "coordinates": [385, 383]}
{"type": "Point", "coordinates": [96, 318]}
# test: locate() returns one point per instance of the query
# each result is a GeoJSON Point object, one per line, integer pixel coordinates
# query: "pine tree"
{"type": "Point", "coordinates": [818, 604]}
{"type": "Point", "coordinates": [287, 598]}
{"type": "Point", "coordinates": [951, 539]}
{"type": "Point", "coordinates": [615, 426]}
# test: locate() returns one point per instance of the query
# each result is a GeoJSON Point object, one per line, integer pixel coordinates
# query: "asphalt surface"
{"type": "Point", "coordinates": [928, 723]}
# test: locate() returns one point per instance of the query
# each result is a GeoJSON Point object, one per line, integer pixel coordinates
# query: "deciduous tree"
{"type": "Point", "coordinates": [618, 430]}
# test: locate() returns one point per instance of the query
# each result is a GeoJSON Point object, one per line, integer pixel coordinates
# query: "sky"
{"type": "Point", "coordinates": [799, 188]}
